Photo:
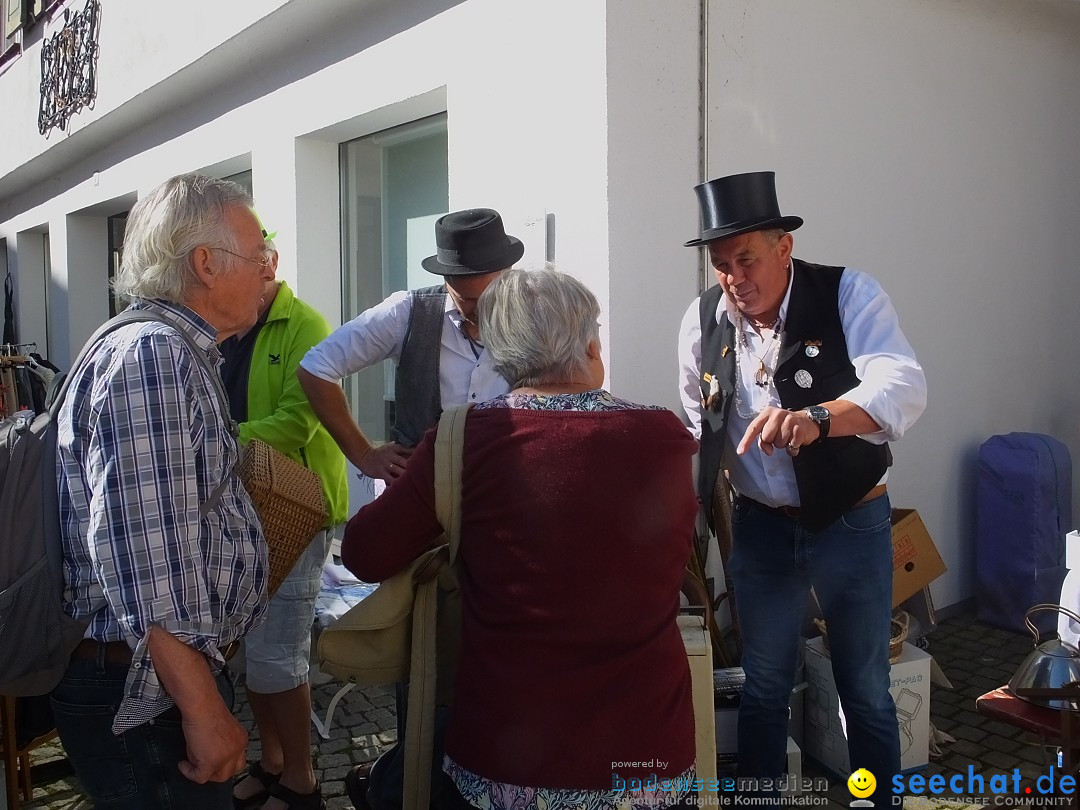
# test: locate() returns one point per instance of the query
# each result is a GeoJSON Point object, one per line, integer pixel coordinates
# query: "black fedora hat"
{"type": "Point", "coordinates": [472, 242]}
{"type": "Point", "coordinates": [739, 203]}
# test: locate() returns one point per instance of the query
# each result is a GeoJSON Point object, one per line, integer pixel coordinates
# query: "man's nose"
{"type": "Point", "coordinates": [733, 277]}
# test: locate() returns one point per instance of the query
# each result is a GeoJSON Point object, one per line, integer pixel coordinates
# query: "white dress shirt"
{"type": "Point", "coordinates": [465, 370]}
{"type": "Point", "coordinates": [891, 389]}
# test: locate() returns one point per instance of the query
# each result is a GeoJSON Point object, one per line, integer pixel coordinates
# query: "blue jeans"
{"type": "Point", "coordinates": [774, 564]}
{"type": "Point", "coordinates": [136, 769]}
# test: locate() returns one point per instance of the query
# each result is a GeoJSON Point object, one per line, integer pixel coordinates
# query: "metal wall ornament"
{"type": "Point", "coordinates": [69, 68]}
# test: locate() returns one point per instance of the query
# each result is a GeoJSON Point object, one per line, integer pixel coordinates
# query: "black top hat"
{"type": "Point", "coordinates": [739, 203]}
{"type": "Point", "coordinates": [472, 242]}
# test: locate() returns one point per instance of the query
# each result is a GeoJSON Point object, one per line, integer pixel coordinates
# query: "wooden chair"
{"type": "Point", "coordinates": [17, 759]}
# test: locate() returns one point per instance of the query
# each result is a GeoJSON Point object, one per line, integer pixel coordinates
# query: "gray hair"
{"type": "Point", "coordinates": [537, 325]}
{"type": "Point", "coordinates": [164, 228]}
{"type": "Point", "coordinates": [772, 235]}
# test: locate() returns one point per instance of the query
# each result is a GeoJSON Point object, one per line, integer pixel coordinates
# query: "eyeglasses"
{"type": "Point", "coordinates": [265, 262]}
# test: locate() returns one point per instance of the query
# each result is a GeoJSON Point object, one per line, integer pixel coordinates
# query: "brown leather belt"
{"type": "Point", "coordinates": [794, 512]}
{"type": "Point", "coordinates": [118, 653]}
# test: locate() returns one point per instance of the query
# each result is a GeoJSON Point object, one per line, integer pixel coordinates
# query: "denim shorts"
{"type": "Point", "coordinates": [277, 651]}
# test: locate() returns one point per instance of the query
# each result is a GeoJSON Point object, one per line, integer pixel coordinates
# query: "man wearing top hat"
{"type": "Point", "coordinates": [795, 376]}
{"type": "Point", "coordinates": [433, 336]}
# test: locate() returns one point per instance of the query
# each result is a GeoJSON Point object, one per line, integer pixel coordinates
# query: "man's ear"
{"type": "Point", "coordinates": [202, 264]}
{"type": "Point", "coordinates": [784, 245]}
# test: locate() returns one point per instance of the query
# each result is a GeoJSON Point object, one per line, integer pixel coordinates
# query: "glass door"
{"type": "Point", "coordinates": [394, 185]}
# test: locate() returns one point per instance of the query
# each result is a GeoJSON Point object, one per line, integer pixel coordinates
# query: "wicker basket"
{"type": "Point", "coordinates": [898, 631]}
{"type": "Point", "coordinates": [290, 503]}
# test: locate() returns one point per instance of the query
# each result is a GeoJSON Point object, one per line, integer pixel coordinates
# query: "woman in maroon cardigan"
{"type": "Point", "coordinates": [578, 508]}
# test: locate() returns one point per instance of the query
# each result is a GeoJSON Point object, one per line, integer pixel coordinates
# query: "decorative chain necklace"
{"type": "Point", "coordinates": [474, 344]}
{"type": "Point", "coordinates": [766, 361]}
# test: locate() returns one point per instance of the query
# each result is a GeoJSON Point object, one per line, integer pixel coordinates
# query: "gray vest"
{"type": "Point", "coordinates": [417, 395]}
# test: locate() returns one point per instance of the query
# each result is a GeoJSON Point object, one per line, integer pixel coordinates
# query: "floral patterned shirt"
{"type": "Point", "coordinates": [595, 400]}
{"type": "Point", "coordinates": [654, 794]}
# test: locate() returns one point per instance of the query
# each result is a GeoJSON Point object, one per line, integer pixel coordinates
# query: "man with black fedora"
{"type": "Point", "coordinates": [432, 335]}
{"type": "Point", "coordinates": [795, 376]}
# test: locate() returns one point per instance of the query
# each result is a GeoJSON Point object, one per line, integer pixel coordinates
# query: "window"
{"type": "Point", "coordinates": [242, 179]}
{"type": "Point", "coordinates": [394, 185]}
{"type": "Point", "coordinates": [14, 17]}
{"type": "Point", "coordinates": [117, 226]}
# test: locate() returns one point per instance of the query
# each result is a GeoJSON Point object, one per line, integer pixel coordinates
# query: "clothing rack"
{"type": "Point", "coordinates": [23, 381]}
{"type": "Point", "coordinates": [15, 353]}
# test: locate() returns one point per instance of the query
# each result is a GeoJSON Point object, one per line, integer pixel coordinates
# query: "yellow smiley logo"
{"type": "Point", "coordinates": [861, 783]}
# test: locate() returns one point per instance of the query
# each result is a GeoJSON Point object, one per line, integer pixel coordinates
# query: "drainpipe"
{"type": "Point", "coordinates": [704, 274]}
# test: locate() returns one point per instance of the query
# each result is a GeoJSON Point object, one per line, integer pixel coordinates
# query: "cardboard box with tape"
{"type": "Point", "coordinates": [916, 561]}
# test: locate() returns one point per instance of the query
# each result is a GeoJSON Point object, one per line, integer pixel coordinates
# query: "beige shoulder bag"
{"type": "Point", "coordinates": [391, 635]}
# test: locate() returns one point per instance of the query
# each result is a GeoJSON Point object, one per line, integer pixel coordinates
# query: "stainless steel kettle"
{"type": "Point", "coordinates": [1054, 664]}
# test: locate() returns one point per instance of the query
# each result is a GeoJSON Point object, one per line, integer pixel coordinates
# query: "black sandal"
{"type": "Point", "coordinates": [299, 801]}
{"type": "Point", "coordinates": [356, 786]}
{"type": "Point", "coordinates": [265, 778]}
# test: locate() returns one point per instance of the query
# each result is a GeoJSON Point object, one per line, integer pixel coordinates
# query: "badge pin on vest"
{"type": "Point", "coordinates": [714, 390]}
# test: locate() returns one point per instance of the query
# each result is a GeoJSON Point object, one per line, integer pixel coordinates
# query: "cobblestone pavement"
{"type": "Point", "coordinates": [975, 657]}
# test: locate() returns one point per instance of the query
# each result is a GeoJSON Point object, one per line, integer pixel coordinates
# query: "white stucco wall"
{"type": "Point", "coordinates": [526, 135]}
{"type": "Point", "coordinates": [523, 84]}
{"type": "Point", "coordinates": [653, 164]}
{"type": "Point", "coordinates": [932, 144]}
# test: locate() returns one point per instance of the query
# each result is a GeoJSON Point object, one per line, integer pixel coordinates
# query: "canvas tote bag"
{"type": "Point", "coordinates": [391, 635]}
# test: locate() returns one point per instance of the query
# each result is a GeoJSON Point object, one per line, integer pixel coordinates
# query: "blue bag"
{"type": "Point", "coordinates": [1024, 511]}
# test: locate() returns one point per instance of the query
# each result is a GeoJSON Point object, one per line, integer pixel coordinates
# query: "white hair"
{"type": "Point", "coordinates": [537, 325]}
{"type": "Point", "coordinates": [164, 228]}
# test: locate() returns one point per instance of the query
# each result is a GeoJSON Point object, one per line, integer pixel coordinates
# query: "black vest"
{"type": "Point", "coordinates": [417, 393]}
{"type": "Point", "coordinates": [833, 475]}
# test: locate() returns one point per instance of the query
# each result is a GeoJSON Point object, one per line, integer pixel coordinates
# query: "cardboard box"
{"type": "Point", "coordinates": [824, 734]}
{"type": "Point", "coordinates": [796, 711]}
{"type": "Point", "coordinates": [916, 561]}
{"type": "Point", "coordinates": [794, 769]}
